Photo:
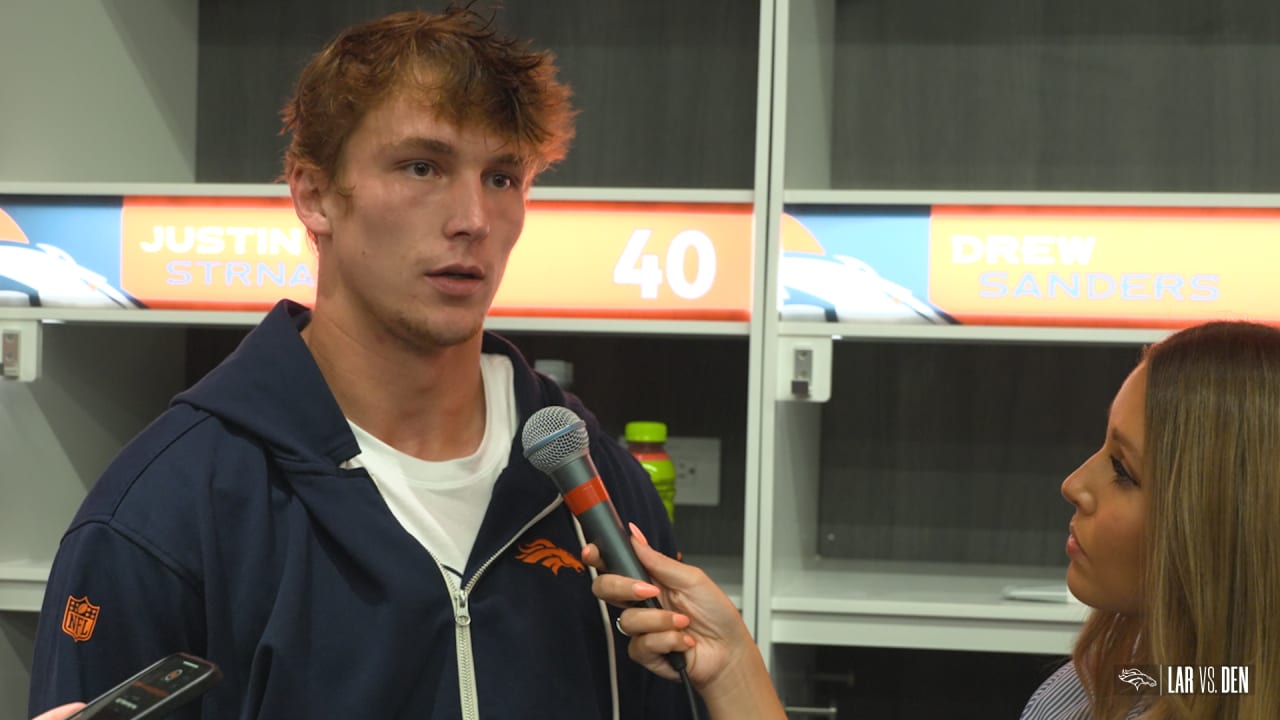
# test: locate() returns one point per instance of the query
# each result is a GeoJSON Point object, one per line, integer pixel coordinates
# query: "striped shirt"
{"type": "Point", "coordinates": [1062, 697]}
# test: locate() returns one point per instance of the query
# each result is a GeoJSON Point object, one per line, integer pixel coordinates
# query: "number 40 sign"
{"type": "Point", "coordinates": [631, 260]}
{"type": "Point", "coordinates": [636, 267]}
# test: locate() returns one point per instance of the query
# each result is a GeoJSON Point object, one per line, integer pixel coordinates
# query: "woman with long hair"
{"type": "Point", "coordinates": [1175, 544]}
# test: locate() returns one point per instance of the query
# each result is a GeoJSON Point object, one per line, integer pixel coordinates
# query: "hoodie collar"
{"type": "Point", "coordinates": [271, 386]}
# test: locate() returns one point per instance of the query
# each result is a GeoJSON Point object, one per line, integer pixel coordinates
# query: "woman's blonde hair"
{"type": "Point", "coordinates": [1211, 575]}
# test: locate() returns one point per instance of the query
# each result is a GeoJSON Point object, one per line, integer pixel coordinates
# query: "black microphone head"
{"type": "Point", "coordinates": [553, 436]}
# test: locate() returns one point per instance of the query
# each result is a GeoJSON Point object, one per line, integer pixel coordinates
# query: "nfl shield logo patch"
{"type": "Point", "coordinates": [80, 618]}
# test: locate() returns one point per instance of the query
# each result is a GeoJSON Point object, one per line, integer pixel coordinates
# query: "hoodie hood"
{"type": "Point", "coordinates": [272, 388]}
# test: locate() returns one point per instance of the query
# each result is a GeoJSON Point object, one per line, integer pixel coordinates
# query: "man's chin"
{"type": "Point", "coordinates": [439, 335]}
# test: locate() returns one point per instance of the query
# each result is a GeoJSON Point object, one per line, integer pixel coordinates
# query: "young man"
{"type": "Point", "coordinates": [339, 515]}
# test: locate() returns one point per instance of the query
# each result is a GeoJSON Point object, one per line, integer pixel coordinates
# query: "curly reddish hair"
{"type": "Point", "coordinates": [469, 74]}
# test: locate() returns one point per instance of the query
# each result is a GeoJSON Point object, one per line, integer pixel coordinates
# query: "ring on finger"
{"type": "Point", "coordinates": [617, 624]}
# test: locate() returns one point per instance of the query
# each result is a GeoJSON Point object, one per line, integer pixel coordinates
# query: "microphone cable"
{"type": "Point", "coordinates": [689, 691]}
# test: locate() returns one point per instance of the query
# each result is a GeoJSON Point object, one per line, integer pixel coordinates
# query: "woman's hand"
{"type": "Point", "coordinates": [60, 712]}
{"type": "Point", "coordinates": [696, 618]}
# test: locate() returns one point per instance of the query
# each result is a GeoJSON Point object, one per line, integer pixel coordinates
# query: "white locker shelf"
{"type": "Point", "coordinates": [920, 605]}
{"type": "Point", "coordinates": [248, 319]}
{"type": "Point", "coordinates": [725, 570]}
{"type": "Point", "coordinates": [22, 585]}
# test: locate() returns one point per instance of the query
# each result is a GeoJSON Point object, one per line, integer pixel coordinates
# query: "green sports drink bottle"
{"type": "Point", "coordinates": [646, 441]}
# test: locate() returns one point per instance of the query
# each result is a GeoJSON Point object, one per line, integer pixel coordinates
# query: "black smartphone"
{"type": "Point", "coordinates": [158, 690]}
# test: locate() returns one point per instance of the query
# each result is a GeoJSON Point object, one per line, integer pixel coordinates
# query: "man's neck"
{"type": "Point", "coordinates": [428, 403]}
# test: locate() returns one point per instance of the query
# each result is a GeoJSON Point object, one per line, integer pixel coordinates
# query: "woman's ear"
{"type": "Point", "coordinates": [307, 187]}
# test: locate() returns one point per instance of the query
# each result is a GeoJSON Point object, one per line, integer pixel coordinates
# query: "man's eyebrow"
{"type": "Point", "coordinates": [428, 144]}
{"type": "Point", "coordinates": [511, 160]}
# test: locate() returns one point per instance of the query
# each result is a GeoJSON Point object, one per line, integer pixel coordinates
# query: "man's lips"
{"type": "Point", "coordinates": [461, 272]}
{"type": "Point", "coordinates": [456, 280]}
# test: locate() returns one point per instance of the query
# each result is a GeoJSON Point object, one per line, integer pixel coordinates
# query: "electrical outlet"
{"type": "Point", "coordinates": [697, 461]}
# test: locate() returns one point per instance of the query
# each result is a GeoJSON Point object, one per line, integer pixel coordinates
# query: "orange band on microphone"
{"type": "Point", "coordinates": [586, 496]}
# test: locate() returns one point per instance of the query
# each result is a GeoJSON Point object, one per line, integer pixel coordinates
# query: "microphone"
{"type": "Point", "coordinates": [555, 442]}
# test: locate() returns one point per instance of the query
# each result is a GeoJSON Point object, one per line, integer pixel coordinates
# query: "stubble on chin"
{"type": "Point", "coordinates": [425, 335]}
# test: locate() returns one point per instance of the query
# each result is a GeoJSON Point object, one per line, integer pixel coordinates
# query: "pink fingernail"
{"type": "Point", "coordinates": [680, 621]}
{"type": "Point", "coordinates": [689, 641]}
{"type": "Point", "coordinates": [636, 531]}
{"type": "Point", "coordinates": [645, 590]}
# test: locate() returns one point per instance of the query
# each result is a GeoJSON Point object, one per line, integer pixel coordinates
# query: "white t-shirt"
{"type": "Point", "coordinates": [442, 503]}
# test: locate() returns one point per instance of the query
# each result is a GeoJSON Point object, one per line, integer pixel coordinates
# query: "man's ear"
{"type": "Point", "coordinates": [307, 187]}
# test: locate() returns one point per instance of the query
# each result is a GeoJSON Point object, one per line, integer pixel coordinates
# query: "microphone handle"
{"type": "Point", "coordinates": [586, 497]}
{"type": "Point", "coordinates": [603, 527]}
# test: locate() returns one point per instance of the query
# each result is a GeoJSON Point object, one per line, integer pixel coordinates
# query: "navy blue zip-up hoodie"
{"type": "Point", "coordinates": [228, 529]}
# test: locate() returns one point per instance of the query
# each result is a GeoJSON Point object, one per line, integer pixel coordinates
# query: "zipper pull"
{"type": "Point", "coordinates": [461, 613]}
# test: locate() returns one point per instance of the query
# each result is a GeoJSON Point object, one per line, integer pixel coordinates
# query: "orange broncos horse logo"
{"type": "Point", "coordinates": [545, 553]}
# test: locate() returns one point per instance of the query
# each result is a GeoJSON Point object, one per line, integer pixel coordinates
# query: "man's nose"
{"type": "Point", "coordinates": [468, 216]}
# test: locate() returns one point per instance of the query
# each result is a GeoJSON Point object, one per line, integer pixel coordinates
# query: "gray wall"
{"type": "Point", "coordinates": [955, 452]}
{"type": "Point", "coordinates": [98, 90]}
{"type": "Point", "coordinates": [666, 89]}
{"type": "Point", "coordinates": [1095, 95]}
{"type": "Point", "coordinates": [17, 639]}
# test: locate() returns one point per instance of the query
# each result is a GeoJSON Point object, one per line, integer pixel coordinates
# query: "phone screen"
{"type": "Point", "coordinates": [155, 691]}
